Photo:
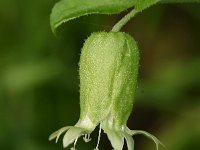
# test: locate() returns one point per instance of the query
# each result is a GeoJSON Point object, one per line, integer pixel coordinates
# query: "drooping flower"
{"type": "Point", "coordinates": [108, 77]}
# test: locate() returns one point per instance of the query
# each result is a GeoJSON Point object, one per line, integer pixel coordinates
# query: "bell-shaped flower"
{"type": "Point", "coordinates": [108, 78]}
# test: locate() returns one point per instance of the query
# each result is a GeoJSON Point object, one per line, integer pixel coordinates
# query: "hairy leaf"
{"type": "Point", "coordinates": [180, 1]}
{"type": "Point", "coordinates": [143, 4]}
{"type": "Point", "coordinates": [66, 10]}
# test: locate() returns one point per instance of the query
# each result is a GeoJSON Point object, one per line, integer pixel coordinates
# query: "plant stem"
{"type": "Point", "coordinates": [117, 27]}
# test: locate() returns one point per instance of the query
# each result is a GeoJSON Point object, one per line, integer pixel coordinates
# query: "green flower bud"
{"type": "Point", "coordinates": [108, 77]}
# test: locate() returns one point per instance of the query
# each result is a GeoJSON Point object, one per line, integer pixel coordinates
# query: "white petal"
{"type": "Point", "coordinates": [53, 135]}
{"type": "Point", "coordinates": [71, 135]}
{"type": "Point", "coordinates": [116, 139]}
{"type": "Point", "coordinates": [57, 133]}
{"type": "Point", "coordinates": [148, 135]}
{"type": "Point", "coordinates": [129, 141]}
{"type": "Point", "coordinates": [61, 131]}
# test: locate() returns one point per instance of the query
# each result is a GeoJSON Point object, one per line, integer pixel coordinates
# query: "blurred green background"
{"type": "Point", "coordinates": [39, 82]}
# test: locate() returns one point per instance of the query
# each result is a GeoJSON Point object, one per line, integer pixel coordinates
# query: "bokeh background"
{"type": "Point", "coordinates": [39, 82]}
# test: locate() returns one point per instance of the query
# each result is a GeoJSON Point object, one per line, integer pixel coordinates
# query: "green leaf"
{"type": "Point", "coordinates": [66, 10]}
{"type": "Point", "coordinates": [143, 4]}
{"type": "Point", "coordinates": [180, 1]}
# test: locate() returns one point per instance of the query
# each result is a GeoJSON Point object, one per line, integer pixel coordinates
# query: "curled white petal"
{"type": "Point", "coordinates": [148, 135]}
{"type": "Point", "coordinates": [71, 135]}
{"type": "Point", "coordinates": [83, 126]}
{"type": "Point", "coordinates": [57, 133]}
{"type": "Point", "coordinates": [116, 139]}
{"type": "Point", "coordinates": [129, 141]}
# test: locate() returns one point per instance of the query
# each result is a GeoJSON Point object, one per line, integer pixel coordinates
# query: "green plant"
{"type": "Point", "coordinates": [108, 72]}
